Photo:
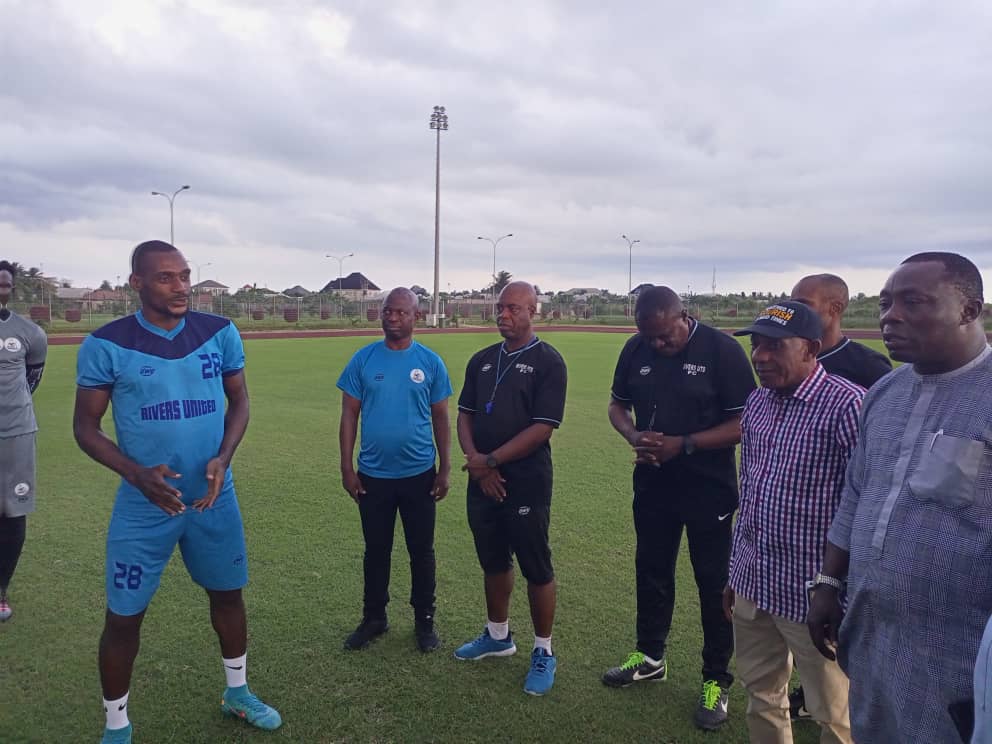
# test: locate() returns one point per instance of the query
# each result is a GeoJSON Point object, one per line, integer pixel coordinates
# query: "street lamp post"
{"type": "Point", "coordinates": [630, 266]}
{"type": "Point", "coordinates": [340, 260]}
{"type": "Point", "coordinates": [172, 223]}
{"type": "Point", "coordinates": [439, 123]}
{"type": "Point", "coordinates": [495, 243]}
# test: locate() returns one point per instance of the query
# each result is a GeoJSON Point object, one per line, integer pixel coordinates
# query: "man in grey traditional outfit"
{"type": "Point", "coordinates": [913, 535]}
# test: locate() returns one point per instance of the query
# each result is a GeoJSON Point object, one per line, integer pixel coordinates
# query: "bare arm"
{"type": "Point", "coordinates": [91, 405]}
{"type": "Point", "coordinates": [489, 479]}
{"type": "Point", "coordinates": [442, 438]}
{"type": "Point", "coordinates": [524, 443]}
{"type": "Point", "coordinates": [623, 421]}
{"type": "Point", "coordinates": [235, 424]}
{"type": "Point", "coordinates": [351, 408]}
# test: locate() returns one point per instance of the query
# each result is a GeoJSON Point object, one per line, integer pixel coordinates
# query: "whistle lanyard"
{"type": "Point", "coordinates": [501, 373]}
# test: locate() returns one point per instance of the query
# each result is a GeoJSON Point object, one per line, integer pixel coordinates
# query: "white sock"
{"type": "Point", "coordinates": [544, 643]}
{"type": "Point", "coordinates": [236, 672]}
{"type": "Point", "coordinates": [498, 631]}
{"type": "Point", "coordinates": [116, 711]}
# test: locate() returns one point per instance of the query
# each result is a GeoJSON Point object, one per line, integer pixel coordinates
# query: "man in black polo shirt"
{"type": "Point", "coordinates": [827, 295]}
{"type": "Point", "coordinates": [687, 384]}
{"type": "Point", "coordinates": [513, 399]}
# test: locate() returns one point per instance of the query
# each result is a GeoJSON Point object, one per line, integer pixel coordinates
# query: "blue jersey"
{"type": "Point", "coordinates": [396, 390]}
{"type": "Point", "coordinates": [167, 392]}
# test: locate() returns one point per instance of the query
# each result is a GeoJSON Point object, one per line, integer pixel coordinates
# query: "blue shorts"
{"type": "Point", "coordinates": [141, 539]}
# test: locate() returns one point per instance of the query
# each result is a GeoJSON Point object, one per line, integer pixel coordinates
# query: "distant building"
{"type": "Point", "coordinates": [210, 287]}
{"type": "Point", "coordinates": [354, 287]}
{"type": "Point", "coordinates": [578, 292]}
{"type": "Point", "coordinates": [73, 293]}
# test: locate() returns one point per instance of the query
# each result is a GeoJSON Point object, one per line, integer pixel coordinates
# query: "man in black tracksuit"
{"type": "Point", "coordinates": [686, 384]}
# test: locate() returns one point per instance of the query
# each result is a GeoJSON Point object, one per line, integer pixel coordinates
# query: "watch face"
{"type": "Point", "coordinates": [491, 461]}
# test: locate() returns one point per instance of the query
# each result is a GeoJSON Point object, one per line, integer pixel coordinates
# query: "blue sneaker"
{"type": "Point", "coordinates": [485, 645]}
{"type": "Point", "coordinates": [541, 677]}
{"type": "Point", "coordinates": [242, 703]}
{"type": "Point", "coordinates": [117, 736]}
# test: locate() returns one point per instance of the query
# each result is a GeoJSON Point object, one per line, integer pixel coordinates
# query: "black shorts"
{"type": "Point", "coordinates": [518, 525]}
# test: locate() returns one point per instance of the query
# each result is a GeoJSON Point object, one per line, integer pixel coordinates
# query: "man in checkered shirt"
{"type": "Point", "coordinates": [797, 434]}
{"type": "Point", "coordinates": [913, 535]}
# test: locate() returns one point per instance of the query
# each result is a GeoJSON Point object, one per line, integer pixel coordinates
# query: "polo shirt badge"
{"type": "Point", "coordinates": [524, 368]}
{"type": "Point", "coordinates": [645, 371]}
{"type": "Point", "coordinates": [417, 375]}
{"type": "Point", "coordinates": [694, 369]}
{"type": "Point", "coordinates": [11, 344]}
{"type": "Point", "coordinates": [486, 367]}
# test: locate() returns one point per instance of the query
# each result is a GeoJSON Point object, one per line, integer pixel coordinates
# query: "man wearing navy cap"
{"type": "Point", "coordinates": [797, 434]}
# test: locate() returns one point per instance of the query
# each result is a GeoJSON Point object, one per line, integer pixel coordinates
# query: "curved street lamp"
{"type": "Point", "coordinates": [630, 265]}
{"type": "Point", "coordinates": [340, 260]}
{"type": "Point", "coordinates": [172, 226]}
{"type": "Point", "coordinates": [495, 243]}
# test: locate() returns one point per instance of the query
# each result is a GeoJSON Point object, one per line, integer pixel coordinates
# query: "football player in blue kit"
{"type": "Point", "coordinates": [168, 372]}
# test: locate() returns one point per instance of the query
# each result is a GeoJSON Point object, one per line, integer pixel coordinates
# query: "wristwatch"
{"type": "Point", "coordinates": [821, 578]}
{"type": "Point", "coordinates": [688, 444]}
{"type": "Point", "coordinates": [491, 461]}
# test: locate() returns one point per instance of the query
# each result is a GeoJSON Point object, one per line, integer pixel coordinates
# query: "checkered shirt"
{"type": "Point", "coordinates": [794, 451]}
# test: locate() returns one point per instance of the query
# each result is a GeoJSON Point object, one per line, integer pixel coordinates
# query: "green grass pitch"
{"type": "Point", "coordinates": [305, 549]}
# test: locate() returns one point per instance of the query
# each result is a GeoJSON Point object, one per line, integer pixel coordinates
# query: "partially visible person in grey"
{"type": "Point", "coordinates": [913, 534]}
{"type": "Point", "coordinates": [983, 690]}
{"type": "Point", "coordinates": [23, 347]}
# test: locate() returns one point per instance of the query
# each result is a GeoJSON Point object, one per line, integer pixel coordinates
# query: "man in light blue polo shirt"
{"type": "Point", "coordinates": [400, 390]}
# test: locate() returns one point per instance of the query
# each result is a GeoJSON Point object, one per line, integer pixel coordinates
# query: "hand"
{"type": "Point", "coordinates": [216, 472]}
{"type": "Point", "coordinates": [492, 485]}
{"type": "Point", "coordinates": [823, 620]}
{"type": "Point", "coordinates": [729, 598]}
{"type": "Point", "coordinates": [440, 488]}
{"type": "Point", "coordinates": [352, 484]}
{"type": "Point", "coordinates": [476, 466]}
{"type": "Point", "coordinates": [654, 448]}
{"type": "Point", "coordinates": [151, 483]}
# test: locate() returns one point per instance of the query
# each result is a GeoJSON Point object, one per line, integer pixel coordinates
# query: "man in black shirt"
{"type": "Point", "coordinates": [827, 295]}
{"type": "Point", "coordinates": [512, 401]}
{"type": "Point", "coordinates": [687, 384]}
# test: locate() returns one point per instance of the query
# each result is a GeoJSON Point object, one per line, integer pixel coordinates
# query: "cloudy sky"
{"type": "Point", "coordinates": [765, 139]}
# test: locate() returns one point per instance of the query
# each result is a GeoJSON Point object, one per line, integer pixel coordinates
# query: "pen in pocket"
{"type": "Point", "coordinates": [933, 439]}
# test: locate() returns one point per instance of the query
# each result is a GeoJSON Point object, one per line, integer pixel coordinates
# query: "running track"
{"type": "Point", "coordinates": [69, 340]}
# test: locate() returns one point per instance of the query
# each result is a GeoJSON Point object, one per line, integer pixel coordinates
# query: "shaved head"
{"type": "Point", "coordinates": [827, 296]}
{"type": "Point", "coordinates": [401, 295]}
{"type": "Point", "coordinates": [830, 286]}
{"type": "Point", "coordinates": [658, 301]}
{"type": "Point", "coordinates": [523, 293]}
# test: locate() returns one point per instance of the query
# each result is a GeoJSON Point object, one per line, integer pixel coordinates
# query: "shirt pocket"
{"type": "Point", "coordinates": [947, 471]}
